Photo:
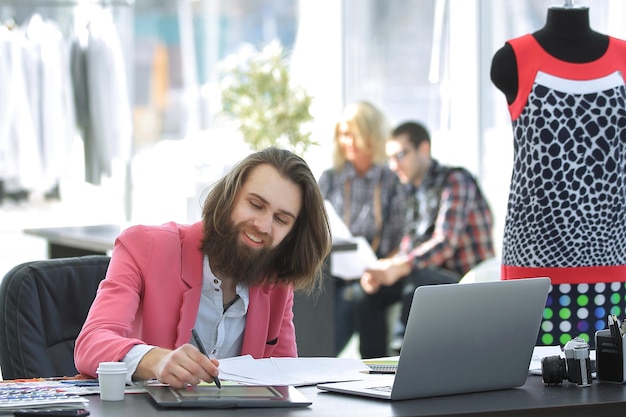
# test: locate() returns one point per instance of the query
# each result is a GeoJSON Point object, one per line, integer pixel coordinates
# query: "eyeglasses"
{"type": "Point", "coordinates": [399, 155]}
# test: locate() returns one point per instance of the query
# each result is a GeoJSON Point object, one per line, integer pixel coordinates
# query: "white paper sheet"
{"type": "Point", "coordinates": [338, 228]}
{"type": "Point", "coordinates": [348, 265]}
{"type": "Point", "coordinates": [290, 371]}
{"type": "Point", "coordinates": [543, 351]}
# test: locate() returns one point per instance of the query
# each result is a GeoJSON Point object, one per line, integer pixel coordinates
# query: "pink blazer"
{"type": "Point", "coordinates": [151, 295]}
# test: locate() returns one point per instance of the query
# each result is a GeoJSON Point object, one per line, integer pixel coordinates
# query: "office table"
{"type": "Point", "coordinates": [532, 399]}
{"type": "Point", "coordinates": [65, 242]}
{"type": "Point", "coordinates": [98, 240]}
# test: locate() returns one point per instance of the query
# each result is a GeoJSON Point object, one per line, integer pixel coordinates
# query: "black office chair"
{"type": "Point", "coordinates": [43, 305]}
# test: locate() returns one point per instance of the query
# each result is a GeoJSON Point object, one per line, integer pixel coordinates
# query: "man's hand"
{"type": "Point", "coordinates": [181, 367]}
{"type": "Point", "coordinates": [369, 283]}
{"type": "Point", "coordinates": [386, 272]}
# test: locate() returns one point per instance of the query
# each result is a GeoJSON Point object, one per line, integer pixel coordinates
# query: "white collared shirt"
{"type": "Point", "coordinates": [221, 332]}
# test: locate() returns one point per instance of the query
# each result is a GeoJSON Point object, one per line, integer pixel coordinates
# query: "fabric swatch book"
{"type": "Point", "coordinates": [40, 394]}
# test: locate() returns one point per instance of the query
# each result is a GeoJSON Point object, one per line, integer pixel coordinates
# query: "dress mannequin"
{"type": "Point", "coordinates": [566, 36]}
{"type": "Point", "coordinates": [565, 86]}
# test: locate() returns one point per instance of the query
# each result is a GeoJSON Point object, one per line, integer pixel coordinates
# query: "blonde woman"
{"type": "Point", "coordinates": [366, 194]}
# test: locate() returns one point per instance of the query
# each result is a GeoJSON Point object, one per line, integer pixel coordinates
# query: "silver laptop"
{"type": "Point", "coordinates": [462, 338]}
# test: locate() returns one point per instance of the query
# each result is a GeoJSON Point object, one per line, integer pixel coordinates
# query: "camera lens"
{"type": "Point", "coordinates": [553, 370]}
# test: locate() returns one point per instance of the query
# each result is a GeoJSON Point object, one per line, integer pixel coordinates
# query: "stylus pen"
{"type": "Point", "coordinates": [200, 345]}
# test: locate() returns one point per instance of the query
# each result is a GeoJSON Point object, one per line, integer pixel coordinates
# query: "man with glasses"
{"type": "Point", "coordinates": [448, 231]}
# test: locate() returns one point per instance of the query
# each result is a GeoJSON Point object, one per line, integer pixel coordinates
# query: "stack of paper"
{"type": "Point", "coordinates": [290, 371]}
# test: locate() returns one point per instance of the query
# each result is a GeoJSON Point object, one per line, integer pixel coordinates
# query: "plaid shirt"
{"type": "Point", "coordinates": [449, 222]}
{"type": "Point", "coordinates": [362, 222]}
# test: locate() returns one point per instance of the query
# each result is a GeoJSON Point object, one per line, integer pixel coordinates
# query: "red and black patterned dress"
{"type": "Point", "coordinates": [566, 215]}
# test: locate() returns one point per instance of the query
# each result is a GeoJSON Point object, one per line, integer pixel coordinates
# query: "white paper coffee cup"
{"type": "Point", "coordinates": [112, 380]}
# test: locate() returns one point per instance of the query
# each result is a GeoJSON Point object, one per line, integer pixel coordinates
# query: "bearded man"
{"type": "Point", "coordinates": [230, 277]}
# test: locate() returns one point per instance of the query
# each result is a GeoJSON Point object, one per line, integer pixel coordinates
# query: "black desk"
{"type": "Point", "coordinates": [313, 315]}
{"type": "Point", "coordinates": [65, 242]}
{"type": "Point", "coordinates": [531, 399]}
{"type": "Point", "coordinates": [98, 240]}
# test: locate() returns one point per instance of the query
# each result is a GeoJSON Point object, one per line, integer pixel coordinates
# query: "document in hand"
{"type": "Point", "coordinates": [348, 265]}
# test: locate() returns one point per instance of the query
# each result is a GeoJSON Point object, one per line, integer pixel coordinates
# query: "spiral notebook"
{"type": "Point", "coordinates": [462, 338]}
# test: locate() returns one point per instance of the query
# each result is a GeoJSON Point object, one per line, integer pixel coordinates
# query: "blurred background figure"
{"type": "Point", "coordinates": [366, 195]}
{"type": "Point", "coordinates": [448, 232]}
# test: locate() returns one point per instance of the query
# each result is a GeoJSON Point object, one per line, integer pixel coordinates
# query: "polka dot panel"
{"type": "Point", "coordinates": [580, 310]}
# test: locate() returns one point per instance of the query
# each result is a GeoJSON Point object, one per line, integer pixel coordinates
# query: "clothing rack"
{"type": "Point", "coordinates": [65, 3]}
{"type": "Point", "coordinates": [121, 11]}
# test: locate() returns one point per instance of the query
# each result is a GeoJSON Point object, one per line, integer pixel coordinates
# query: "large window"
{"type": "Point", "coordinates": [430, 60]}
{"type": "Point", "coordinates": [417, 59]}
{"type": "Point", "coordinates": [179, 47]}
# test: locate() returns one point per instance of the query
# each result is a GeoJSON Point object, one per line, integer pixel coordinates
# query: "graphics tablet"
{"type": "Point", "coordinates": [229, 396]}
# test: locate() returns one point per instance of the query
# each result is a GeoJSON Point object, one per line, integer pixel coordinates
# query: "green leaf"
{"type": "Point", "coordinates": [258, 94]}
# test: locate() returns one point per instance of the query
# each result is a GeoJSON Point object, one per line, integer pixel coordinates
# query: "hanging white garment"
{"type": "Point", "coordinates": [50, 93]}
{"type": "Point", "coordinates": [109, 101]}
{"type": "Point", "coordinates": [20, 158]}
{"type": "Point", "coordinates": [95, 166]}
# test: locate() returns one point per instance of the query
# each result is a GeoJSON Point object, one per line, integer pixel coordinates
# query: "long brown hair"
{"type": "Point", "coordinates": [303, 250]}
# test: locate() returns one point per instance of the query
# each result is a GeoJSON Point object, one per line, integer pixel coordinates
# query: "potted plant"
{"type": "Point", "coordinates": [268, 109]}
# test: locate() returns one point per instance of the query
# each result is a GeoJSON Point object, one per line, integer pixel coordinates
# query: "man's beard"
{"type": "Point", "coordinates": [231, 258]}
